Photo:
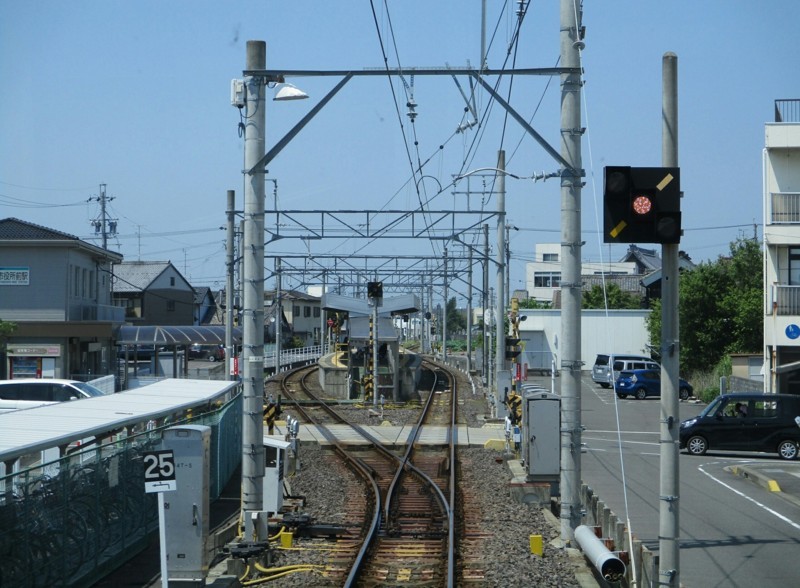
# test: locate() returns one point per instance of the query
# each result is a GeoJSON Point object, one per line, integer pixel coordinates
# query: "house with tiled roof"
{"type": "Point", "coordinates": [56, 289]}
{"type": "Point", "coordinates": [153, 293]}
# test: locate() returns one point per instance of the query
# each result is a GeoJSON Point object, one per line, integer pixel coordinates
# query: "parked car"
{"type": "Point", "coordinates": [745, 422]}
{"type": "Point", "coordinates": [27, 393]}
{"type": "Point", "coordinates": [209, 352]}
{"type": "Point", "coordinates": [140, 352]}
{"type": "Point", "coordinates": [644, 383]}
{"type": "Point", "coordinates": [607, 367]}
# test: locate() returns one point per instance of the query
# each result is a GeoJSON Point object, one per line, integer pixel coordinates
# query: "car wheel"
{"type": "Point", "coordinates": [641, 394]}
{"type": "Point", "coordinates": [620, 395]}
{"type": "Point", "coordinates": [697, 445]}
{"type": "Point", "coordinates": [212, 357]}
{"type": "Point", "coordinates": [683, 394]}
{"type": "Point", "coordinates": [787, 449]}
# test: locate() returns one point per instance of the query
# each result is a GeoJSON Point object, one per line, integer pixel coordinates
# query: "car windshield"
{"type": "Point", "coordinates": [88, 389]}
{"type": "Point", "coordinates": [711, 408]}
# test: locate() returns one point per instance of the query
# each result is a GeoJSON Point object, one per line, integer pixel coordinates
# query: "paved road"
{"type": "Point", "coordinates": [734, 531]}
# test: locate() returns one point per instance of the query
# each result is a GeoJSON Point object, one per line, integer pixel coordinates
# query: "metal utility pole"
{"type": "Point", "coordinates": [469, 314]}
{"type": "Point", "coordinates": [229, 260]}
{"type": "Point", "coordinates": [444, 314]}
{"type": "Point", "coordinates": [487, 349]}
{"type": "Point", "coordinates": [253, 285]}
{"type": "Point", "coordinates": [571, 184]}
{"type": "Point", "coordinates": [278, 315]}
{"type": "Point", "coordinates": [500, 348]}
{"type": "Point", "coordinates": [374, 335]}
{"type": "Point", "coordinates": [669, 528]}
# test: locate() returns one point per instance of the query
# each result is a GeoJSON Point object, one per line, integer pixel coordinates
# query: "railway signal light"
{"type": "Point", "coordinates": [512, 348]}
{"type": "Point", "coordinates": [641, 205]}
{"type": "Point", "coordinates": [374, 289]}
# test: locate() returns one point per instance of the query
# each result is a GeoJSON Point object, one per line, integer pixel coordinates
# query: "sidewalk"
{"type": "Point", "coordinates": [779, 477]}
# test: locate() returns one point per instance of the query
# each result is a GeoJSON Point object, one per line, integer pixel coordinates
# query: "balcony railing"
{"type": "Point", "coordinates": [787, 111]}
{"type": "Point", "coordinates": [787, 299]}
{"type": "Point", "coordinates": [785, 207]}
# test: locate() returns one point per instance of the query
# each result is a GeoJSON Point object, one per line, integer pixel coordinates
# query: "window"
{"type": "Point", "coordinates": [84, 283]}
{"type": "Point", "coordinates": [170, 306]}
{"type": "Point", "coordinates": [794, 266]}
{"type": "Point", "coordinates": [549, 256]}
{"type": "Point", "coordinates": [317, 312]}
{"type": "Point", "coordinates": [546, 279]}
{"type": "Point", "coordinates": [76, 281]}
{"type": "Point", "coordinates": [295, 310]}
{"type": "Point", "coordinates": [306, 311]}
{"type": "Point", "coordinates": [172, 280]}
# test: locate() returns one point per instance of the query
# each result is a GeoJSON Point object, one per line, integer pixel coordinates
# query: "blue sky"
{"type": "Point", "coordinates": [136, 95]}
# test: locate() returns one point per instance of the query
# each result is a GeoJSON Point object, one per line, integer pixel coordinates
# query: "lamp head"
{"type": "Point", "coordinates": [286, 91]}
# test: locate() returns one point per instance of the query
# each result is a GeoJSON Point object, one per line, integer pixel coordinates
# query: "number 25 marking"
{"type": "Point", "coordinates": [158, 466]}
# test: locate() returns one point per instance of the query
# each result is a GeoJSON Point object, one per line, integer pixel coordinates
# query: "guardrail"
{"type": "Point", "coordinates": [292, 357]}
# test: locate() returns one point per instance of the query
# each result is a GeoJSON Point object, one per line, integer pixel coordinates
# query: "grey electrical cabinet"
{"type": "Point", "coordinates": [186, 510]}
{"type": "Point", "coordinates": [541, 434]}
{"type": "Point", "coordinates": [274, 470]}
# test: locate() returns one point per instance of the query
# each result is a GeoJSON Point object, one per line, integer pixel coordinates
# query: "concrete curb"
{"type": "Point", "coordinates": [762, 480]}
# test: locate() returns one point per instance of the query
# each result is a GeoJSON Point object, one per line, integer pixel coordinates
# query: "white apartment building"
{"type": "Point", "coordinates": [543, 275]}
{"type": "Point", "coordinates": [781, 161]}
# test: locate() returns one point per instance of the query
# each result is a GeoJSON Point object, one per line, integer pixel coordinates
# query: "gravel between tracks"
{"type": "Point", "coordinates": [322, 480]}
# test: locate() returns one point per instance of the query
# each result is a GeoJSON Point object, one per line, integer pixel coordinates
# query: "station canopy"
{"type": "Point", "coordinates": [175, 335]}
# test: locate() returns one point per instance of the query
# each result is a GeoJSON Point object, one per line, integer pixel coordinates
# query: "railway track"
{"type": "Point", "coordinates": [408, 534]}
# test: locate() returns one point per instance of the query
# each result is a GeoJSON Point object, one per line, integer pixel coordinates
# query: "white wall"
{"type": "Point", "coordinates": [617, 331]}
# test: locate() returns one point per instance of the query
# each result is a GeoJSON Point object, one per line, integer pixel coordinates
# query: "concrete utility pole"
{"type": "Point", "coordinates": [571, 184]}
{"type": "Point", "coordinates": [253, 285]}
{"type": "Point", "coordinates": [500, 347]}
{"type": "Point", "coordinates": [229, 356]}
{"type": "Point", "coordinates": [669, 493]}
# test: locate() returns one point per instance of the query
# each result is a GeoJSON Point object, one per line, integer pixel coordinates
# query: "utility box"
{"type": "Point", "coordinates": [541, 434]}
{"type": "Point", "coordinates": [186, 511]}
{"type": "Point", "coordinates": [274, 470]}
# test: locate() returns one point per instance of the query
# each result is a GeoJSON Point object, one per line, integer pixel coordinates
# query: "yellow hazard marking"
{"type": "Point", "coordinates": [618, 229]}
{"type": "Point", "coordinates": [496, 444]}
{"type": "Point", "coordinates": [404, 575]}
{"type": "Point", "coordinates": [665, 182]}
{"type": "Point", "coordinates": [773, 486]}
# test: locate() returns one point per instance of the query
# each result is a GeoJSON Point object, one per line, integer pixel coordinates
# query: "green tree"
{"type": "Point", "coordinates": [533, 303]}
{"type": "Point", "coordinates": [614, 295]}
{"type": "Point", "coordinates": [720, 308]}
{"type": "Point", "coordinates": [456, 321]}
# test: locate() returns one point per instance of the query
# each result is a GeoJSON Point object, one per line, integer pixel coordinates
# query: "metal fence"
{"type": "Point", "coordinates": [787, 111]}
{"type": "Point", "coordinates": [785, 208]}
{"type": "Point", "coordinates": [787, 300]}
{"type": "Point", "coordinates": [71, 521]}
